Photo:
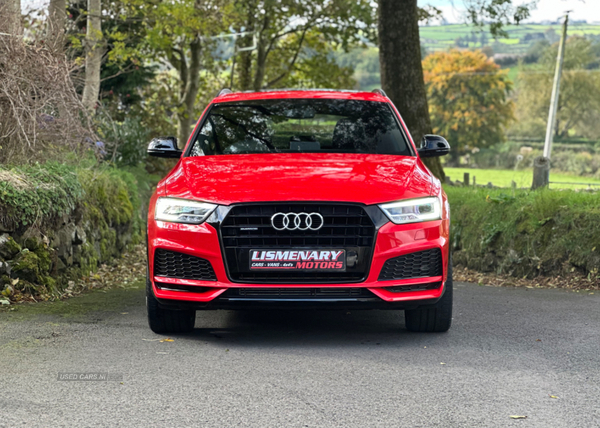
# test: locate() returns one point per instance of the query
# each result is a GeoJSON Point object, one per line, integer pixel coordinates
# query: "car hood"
{"type": "Point", "coordinates": [362, 178]}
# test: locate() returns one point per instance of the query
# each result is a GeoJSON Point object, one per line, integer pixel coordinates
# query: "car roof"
{"type": "Point", "coordinates": [227, 96]}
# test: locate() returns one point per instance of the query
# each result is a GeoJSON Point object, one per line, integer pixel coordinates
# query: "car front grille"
{"type": "Point", "coordinates": [345, 226]}
{"type": "Point", "coordinates": [297, 293]}
{"type": "Point", "coordinates": [172, 264]}
{"type": "Point", "coordinates": [414, 265]}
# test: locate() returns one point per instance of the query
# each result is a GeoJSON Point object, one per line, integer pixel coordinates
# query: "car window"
{"type": "Point", "coordinates": [300, 125]}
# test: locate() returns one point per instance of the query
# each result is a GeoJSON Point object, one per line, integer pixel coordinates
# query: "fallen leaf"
{"type": "Point", "coordinates": [168, 339]}
{"type": "Point", "coordinates": [553, 396]}
{"type": "Point", "coordinates": [124, 313]}
{"type": "Point", "coordinates": [538, 340]}
{"type": "Point", "coordinates": [443, 364]}
{"type": "Point", "coordinates": [517, 417]}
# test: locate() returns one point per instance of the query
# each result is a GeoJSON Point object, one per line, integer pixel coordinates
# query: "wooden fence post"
{"type": "Point", "coordinates": [541, 172]}
{"type": "Point", "coordinates": [466, 178]}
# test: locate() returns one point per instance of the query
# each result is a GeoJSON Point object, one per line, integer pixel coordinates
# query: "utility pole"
{"type": "Point", "coordinates": [541, 165]}
{"type": "Point", "coordinates": [555, 91]}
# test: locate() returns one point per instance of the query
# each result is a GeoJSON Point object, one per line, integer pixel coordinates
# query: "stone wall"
{"type": "Point", "coordinates": [58, 224]}
{"type": "Point", "coordinates": [39, 262]}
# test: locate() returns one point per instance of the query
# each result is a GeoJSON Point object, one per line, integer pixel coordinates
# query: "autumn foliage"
{"type": "Point", "coordinates": [468, 99]}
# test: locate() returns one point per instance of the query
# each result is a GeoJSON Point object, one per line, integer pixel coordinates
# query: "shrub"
{"type": "Point", "coordinates": [41, 116]}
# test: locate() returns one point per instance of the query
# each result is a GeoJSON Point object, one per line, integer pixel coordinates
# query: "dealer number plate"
{"type": "Point", "coordinates": [305, 260]}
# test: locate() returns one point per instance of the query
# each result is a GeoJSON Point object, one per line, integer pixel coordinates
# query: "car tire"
{"type": "Point", "coordinates": [434, 319]}
{"type": "Point", "coordinates": [162, 320]}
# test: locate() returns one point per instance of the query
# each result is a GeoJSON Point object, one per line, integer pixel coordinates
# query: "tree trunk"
{"type": "Point", "coordinates": [93, 57]}
{"type": "Point", "coordinates": [261, 54]}
{"type": "Point", "coordinates": [402, 71]}
{"type": "Point", "coordinates": [55, 30]}
{"type": "Point", "coordinates": [191, 83]}
{"type": "Point", "coordinates": [245, 62]}
{"type": "Point", "coordinates": [11, 22]}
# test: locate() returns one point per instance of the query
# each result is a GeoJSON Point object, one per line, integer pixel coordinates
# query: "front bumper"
{"type": "Point", "coordinates": [203, 241]}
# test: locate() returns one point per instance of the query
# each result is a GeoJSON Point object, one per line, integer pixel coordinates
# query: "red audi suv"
{"type": "Point", "coordinates": [299, 199]}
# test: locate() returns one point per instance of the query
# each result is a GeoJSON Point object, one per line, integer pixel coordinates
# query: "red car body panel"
{"type": "Point", "coordinates": [341, 177]}
{"type": "Point", "coordinates": [359, 178]}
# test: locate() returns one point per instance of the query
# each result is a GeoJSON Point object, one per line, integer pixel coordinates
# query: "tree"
{"type": "Point", "coordinates": [179, 34]}
{"type": "Point", "coordinates": [468, 99]}
{"type": "Point", "coordinates": [93, 55]}
{"type": "Point", "coordinates": [297, 37]}
{"type": "Point", "coordinates": [55, 26]}
{"type": "Point", "coordinates": [400, 58]}
{"type": "Point", "coordinates": [401, 68]}
{"type": "Point", "coordinates": [579, 102]}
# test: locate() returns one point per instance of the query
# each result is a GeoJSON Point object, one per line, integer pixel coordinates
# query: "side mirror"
{"type": "Point", "coordinates": [432, 146]}
{"type": "Point", "coordinates": [164, 147]}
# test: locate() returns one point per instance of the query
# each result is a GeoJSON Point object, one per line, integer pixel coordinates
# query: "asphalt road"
{"type": "Point", "coordinates": [509, 351]}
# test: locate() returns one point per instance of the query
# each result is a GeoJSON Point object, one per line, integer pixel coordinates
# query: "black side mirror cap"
{"type": "Point", "coordinates": [432, 146]}
{"type": "Point", "coordinates": [164, 147]}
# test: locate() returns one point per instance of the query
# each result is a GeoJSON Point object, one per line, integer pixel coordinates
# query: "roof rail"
{"type": "Point", "coordinates": [224, 91]}
{"type": "Point", "coordinates": [379, 91]}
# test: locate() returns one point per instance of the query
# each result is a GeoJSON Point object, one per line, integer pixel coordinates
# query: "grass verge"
{"type": "Point", "coordinates": [523, 178]}
{"type": "Point", "coordinates": [524, 233]}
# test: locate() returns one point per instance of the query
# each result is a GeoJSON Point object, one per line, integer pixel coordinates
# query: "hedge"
{"type": "Point", "coordinates": [525, 233]}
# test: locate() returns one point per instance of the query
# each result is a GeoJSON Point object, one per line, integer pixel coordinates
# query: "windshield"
{"type": "Point", "coordinates": [300, 125]}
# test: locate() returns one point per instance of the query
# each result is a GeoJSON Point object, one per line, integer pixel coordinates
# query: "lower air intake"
{"type": "Point", "coordinates": [172, 264]}
{"type": "Point", "coordinates": [414, 265]}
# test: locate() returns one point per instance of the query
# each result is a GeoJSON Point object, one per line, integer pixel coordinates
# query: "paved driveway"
{"type": "Point", "coordinates": [509, 352]}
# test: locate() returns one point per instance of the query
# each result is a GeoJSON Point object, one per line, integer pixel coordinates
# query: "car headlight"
{"type": "Point", "coordinates": [413, 210]}
{"type": "Point", "coordinates": [182, 210]}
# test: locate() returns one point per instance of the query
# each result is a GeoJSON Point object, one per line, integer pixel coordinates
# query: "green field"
{"type": "Point", "coordinates": [440, 37]}
{"type": "Point", "coordinates": [503, 178]}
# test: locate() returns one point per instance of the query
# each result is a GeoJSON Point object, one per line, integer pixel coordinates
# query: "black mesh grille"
{"type": "Point", "coordinates": [171, 264]}
{"type": "Point", "coordinates": [180, 287]}
{"type": "Point", "coordinates": [414, 287]}
{"type": "Point", "coordinates": [415, 265]}
{"type": "Point", "coordinates": [248, 227]}
{"type": "Point", "coordinates": [297, 293]}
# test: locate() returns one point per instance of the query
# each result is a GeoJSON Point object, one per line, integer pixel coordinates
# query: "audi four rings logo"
{"type": "Point", "coordinates": [297, 221]}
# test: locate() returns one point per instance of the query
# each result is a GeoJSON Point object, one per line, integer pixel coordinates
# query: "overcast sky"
{"type": "Point", "coordinates": [547, 10]}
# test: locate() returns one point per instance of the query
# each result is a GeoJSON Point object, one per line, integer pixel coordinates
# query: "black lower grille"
{"type": "Point", "coordinates": [415, 265]}
{"type": "Point", "coordinates": [180, 287]}
{"type": "Point", "coordinates": [345, 227]}
{"type": "Point", "coordinates": [297, 293]}
{"type": "Point", "coordinates": [414, 287]}
{"type": "Point", "coordinates": [171, 264]}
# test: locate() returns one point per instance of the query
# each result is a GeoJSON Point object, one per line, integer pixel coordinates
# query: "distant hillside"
{"type": "Point", "coordinates": [523, 39]}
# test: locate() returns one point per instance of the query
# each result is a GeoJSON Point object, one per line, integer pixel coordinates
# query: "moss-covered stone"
{"type": "Point", "coordinates": [8, 247]}
{"type": "Point", "coordinates": [89, 259]}
{"type": "Point", "coordinates": [32, 243]}
{"type": "Point", "coordinates": [27, 266]}
{"type": "Point", "coordinates": [50, 284]}
{"type": "Point", "coordinates": [45, 262]}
